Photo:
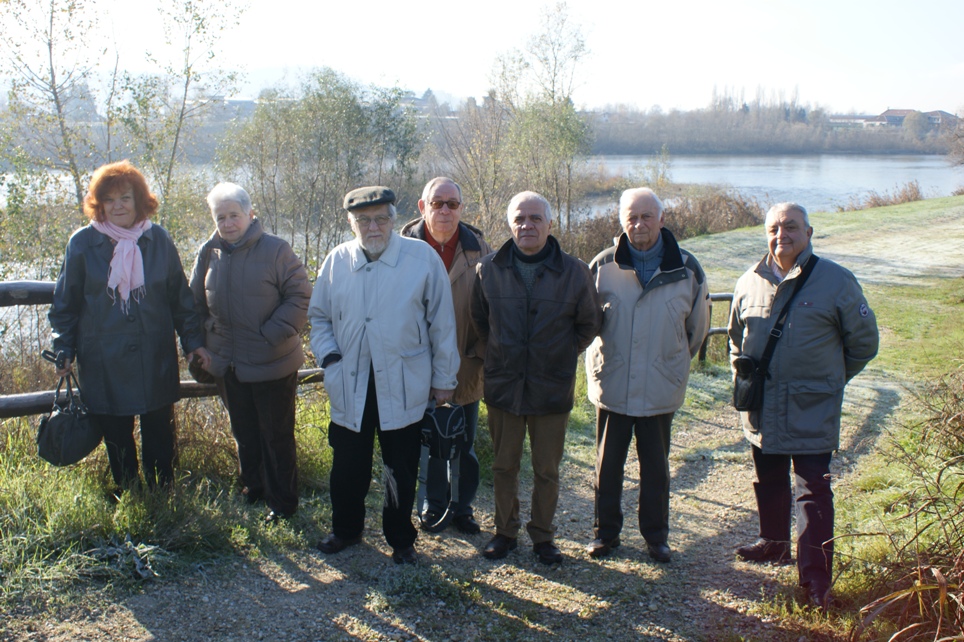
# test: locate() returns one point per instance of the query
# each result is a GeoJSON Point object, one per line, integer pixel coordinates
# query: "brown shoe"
{"type": "Point", "coordinates": [334, 544]}
{"type": "Point", "coordinates": [602, 547]}
{"type": "Point", "coordinates": [499, 546]}
{"type": "Point", "coordinates": [765, 550]}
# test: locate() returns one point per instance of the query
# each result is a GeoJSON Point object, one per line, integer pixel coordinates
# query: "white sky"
{"type": "Point", "coordinates": [845, 55]}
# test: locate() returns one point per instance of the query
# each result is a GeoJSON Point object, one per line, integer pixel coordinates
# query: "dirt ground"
{"type": "Point", "coordinates": [456, 595]}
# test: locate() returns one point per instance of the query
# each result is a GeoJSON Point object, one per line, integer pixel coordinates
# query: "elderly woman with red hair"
{"type": "Point", "coordinates": [119, 299]}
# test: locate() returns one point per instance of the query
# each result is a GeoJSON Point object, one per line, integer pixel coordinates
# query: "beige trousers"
{"type": "Point", "coordinates": [547, 436]}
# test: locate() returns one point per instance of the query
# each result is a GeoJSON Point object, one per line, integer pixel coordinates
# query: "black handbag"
{"type": "Point", "coordinates": [444, 436]}
{"type": "Point", "coordinates": [66, 434]}
{"type": "Point", "coordinates": [751, 375]}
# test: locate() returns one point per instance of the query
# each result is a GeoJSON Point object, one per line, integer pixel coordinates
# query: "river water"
{"type": "Point", "coordinates": [818, 182]}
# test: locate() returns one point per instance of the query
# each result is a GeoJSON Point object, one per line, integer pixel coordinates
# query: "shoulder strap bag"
{"type": "Point", "coordinates": [751, 374]}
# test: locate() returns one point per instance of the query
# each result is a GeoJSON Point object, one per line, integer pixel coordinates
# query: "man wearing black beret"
{"type": "Point", "coordinates": [383, 328]}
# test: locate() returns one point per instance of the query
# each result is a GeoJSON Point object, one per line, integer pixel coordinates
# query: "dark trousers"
{"type": "Point", "coordinates": [351, 475]}
{"type": "Point", "coordinates": [263, 423]}
{"type": "Point", "coordinates": [814, 508]}
{"type": "Point", "coordinates": [438, 494]}
{"type": "Point", "coordinates": [157, 446]}
{"type": "Point", "coordinates": [614, 432]}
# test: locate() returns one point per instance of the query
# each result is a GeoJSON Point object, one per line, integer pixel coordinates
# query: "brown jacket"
{"type": "Point", "coordinates": [533, 343]}
{"type": "Point", "coordinates": [471, 248]}
{"type": "Point", "coordinates": [254, 303]}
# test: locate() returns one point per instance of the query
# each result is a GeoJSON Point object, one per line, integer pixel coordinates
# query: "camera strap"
{"type": "Point", "coordinates": [777, 330]}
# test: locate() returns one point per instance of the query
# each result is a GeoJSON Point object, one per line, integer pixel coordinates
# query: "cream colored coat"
{"type": "Point", "coordinates": [394, 314]}
{"type": "Point", "coordinates": [639, 364]}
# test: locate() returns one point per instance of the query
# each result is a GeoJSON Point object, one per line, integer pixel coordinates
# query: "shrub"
{"type": "Point", "coordinates": [712, 212]}
{"type": "Point", "coordinates": [919, 584]}
{"type": "Point", "coordinates": [909, 193]}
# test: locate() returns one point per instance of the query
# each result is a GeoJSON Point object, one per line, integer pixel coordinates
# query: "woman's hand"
{"type": "Point", "coordinates": [202, 357]}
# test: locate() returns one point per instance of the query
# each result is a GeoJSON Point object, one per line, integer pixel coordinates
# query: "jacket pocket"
{"type": "Point", "coordinates": [335, 387]}
{"type": "Point", "coordinates": [813, 411]}
{"type": "Point", "coordinates": [416, 376]}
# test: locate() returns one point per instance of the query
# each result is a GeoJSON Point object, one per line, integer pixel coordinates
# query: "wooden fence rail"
{"type": "Point", "coordinates": [42, 293]}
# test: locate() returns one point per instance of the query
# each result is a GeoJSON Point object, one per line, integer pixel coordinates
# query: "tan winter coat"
{"type": "Point", "coordinates": [471, 248]}
{"type": "Point", "coordinates": [640, 363]}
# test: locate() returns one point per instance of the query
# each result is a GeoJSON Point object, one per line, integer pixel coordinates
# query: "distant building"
{"type": "Point", "coordinates": [890, 118]}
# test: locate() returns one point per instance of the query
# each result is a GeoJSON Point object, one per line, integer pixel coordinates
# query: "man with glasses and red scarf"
{"type": "Point", "coordinates": [460, 246]}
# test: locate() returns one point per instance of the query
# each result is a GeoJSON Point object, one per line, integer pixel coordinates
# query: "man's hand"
{"type": "Point", "coordinates": [441, 396]}
{"type": "Point", "coordinates": [201, 356]}
{"type": "Point", "coordinates": [67, 367]}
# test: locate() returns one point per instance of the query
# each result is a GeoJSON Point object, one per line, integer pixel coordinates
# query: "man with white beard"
{"type": "Point", "coordinates": [383, 328]}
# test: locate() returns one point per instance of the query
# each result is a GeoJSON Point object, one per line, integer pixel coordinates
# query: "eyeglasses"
{"type": "Point", "coordinates": [453, 204]}
{"type": "Point", "coordinates": [364, 221]}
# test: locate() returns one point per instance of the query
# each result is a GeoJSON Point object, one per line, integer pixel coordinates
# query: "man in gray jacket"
{"type": "Point", "coordinates": [655, 305]}
{"type": "Point", "coordinates": [383, 328]}
{"type": "Point", "coordinates": [829, 336]}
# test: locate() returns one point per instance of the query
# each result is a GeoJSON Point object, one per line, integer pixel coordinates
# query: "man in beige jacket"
{"type": "Point", "coordinates": [655, 316]}
{"type": "Point", "coordinates": [460, 246]}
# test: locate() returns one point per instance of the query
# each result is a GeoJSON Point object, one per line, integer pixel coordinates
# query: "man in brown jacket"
{"type": "Point", "coordinates": [460, 246]}
{"type": "Point", "coordinates": [536, 308]}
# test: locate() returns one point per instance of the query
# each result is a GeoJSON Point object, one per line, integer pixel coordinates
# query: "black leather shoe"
{"type": "Point", "coordinates": [334, 544]}
{"type": "Point", "coordinates": [818, 597]}
{"type": "Point", "coordinates": [548, 552]}
{"type": "Point", "coordinates": [499, 546]}
{"type": "Point", "coordinates": [765, 550]}
{"type": "Point", "coordinates": [405, 555]}
{"type": "Point", "coordinates": [467, 524]}
{"type": "Point", "coordinates": [433, 522]}
{"type": "Point", "coordinates": [602, 547]}
{"type": "Point", "coordinates": [660, 552]}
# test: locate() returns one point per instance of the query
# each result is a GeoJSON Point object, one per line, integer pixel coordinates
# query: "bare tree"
{"type": "Point", "coordinates": [161, 111]}
{"type": "Point", "coordinates": [47, 55]}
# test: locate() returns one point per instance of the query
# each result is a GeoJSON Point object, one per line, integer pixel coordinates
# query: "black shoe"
{"type": "Point", "coordinates": [405, 555]}
{"type": "Point", "coordinates": [467, 524]}
{"type": "Point", "coordinates": [548, 552]}
{"type": "Point", "coordinates": [818, 597]}
{"type": "Point", "coordinates": [433, 522]}
{"type": "Point", "coordinates": [334, 544]}
{"type": "Point", "coordinates": [499, 546]}
{"type": "Point", "coordinates": [602, 547]}
{"type": "Point", "coordinates": [765, 550]}
{"type": "Point", "coordinates": [660, 552]}
{"type": "Point", "coordinates": [274, 517]}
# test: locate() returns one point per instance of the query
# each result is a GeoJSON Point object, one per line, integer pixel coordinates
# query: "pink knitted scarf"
{"type": "Point", "coordinates": [126, 274]}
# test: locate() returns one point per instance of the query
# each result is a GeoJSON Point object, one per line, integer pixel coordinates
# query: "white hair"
{"type": "Point", "coordinates": [439, 180]}
{"type": "Point", "coordinates": [786, 208]}
{"type": "Point", "coordinates": [522, 197]}
{"type": "Point", "coordinates": [630, 195]}
{"type": "Point", "coordinates": [229, 192]}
